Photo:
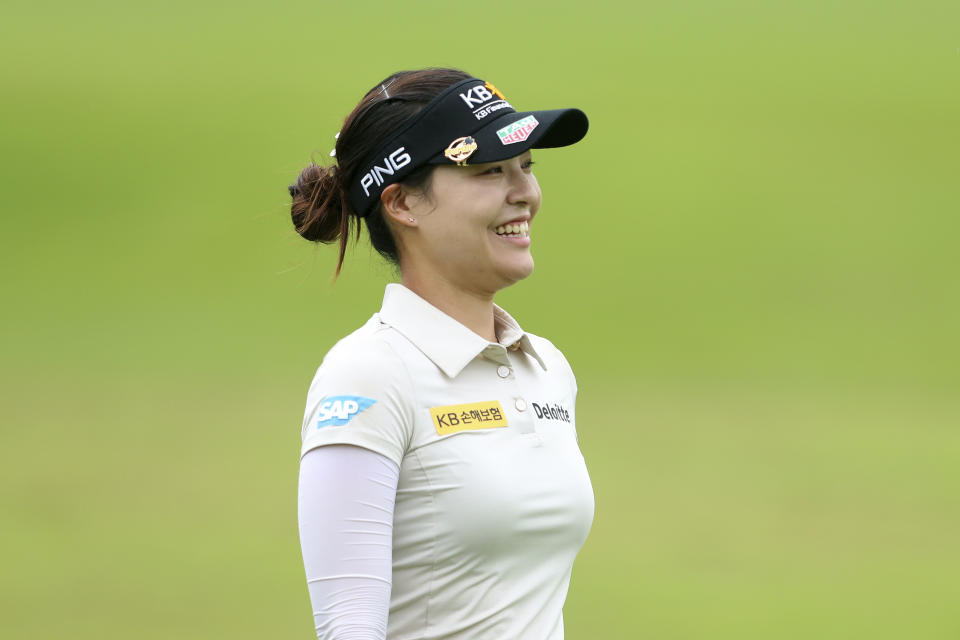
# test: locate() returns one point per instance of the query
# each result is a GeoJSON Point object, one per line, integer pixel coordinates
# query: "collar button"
{"type": "Point", "coordinates": [503, 371]}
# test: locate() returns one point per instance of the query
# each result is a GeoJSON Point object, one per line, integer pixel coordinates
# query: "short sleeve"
{"type": "Point", "coordinates": [360, 396]}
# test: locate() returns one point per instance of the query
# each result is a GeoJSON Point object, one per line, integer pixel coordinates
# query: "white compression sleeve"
{"type": "Point", "coordinates": [345, 508]}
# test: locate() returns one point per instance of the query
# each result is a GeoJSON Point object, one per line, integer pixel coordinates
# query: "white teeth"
{"type": "Point", "coordinates": [514, 229]}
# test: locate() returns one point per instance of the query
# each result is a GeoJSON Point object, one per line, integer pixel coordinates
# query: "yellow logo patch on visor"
{"type": "Point", "coordinates": [466, 417]}
{"type": "Point", "coordinates": [461, 149]}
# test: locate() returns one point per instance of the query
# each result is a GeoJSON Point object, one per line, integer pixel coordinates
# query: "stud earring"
{"type": "Point", "coordinates": [411, 219]}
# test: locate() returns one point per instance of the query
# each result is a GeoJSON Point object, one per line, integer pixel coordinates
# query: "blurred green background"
{"type": "Point", "coordinates": [750, 262]}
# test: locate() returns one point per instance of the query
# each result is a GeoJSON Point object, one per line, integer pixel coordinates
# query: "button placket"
{"type": "Point", "coordinates": [522, 419]}
{"type": "Point", "coordinates": [522, 416]}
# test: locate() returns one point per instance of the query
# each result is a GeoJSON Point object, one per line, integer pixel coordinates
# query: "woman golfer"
{"type": "Point", "coordinates": [442, 493]}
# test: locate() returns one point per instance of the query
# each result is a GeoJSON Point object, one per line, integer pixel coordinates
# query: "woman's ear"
{"type": "Point", "coordinates": [397, 203]}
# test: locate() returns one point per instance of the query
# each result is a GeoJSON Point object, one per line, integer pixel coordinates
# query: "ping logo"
{"type": "Point", "coordinates": [337, 411]}
{"type": "Point", "coordinates": [467, 417]}
{"type": "Point", "coordinates": [391, 164]}
{"type": "Point", "coordinates": [517, 131]}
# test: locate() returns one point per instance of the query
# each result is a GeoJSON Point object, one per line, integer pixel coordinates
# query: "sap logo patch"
{"type": "Point", "coordinates": [339, 410]}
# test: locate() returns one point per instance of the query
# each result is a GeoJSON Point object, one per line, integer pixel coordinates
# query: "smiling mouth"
{"type": "Point", "coordinates": [514, 230]}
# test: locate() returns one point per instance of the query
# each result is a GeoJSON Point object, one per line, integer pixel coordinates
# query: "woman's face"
{"type": "Point", "coordinates": [473, 227]}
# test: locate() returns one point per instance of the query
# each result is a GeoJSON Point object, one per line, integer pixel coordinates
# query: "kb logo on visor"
{"type": "Point", "coordinates": [480, 100]}
{"type": "Point", "coordinates": [478, 95]}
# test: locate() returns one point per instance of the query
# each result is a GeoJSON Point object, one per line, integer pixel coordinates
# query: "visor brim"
{"type": "Point", "coordinates": [554, 128]}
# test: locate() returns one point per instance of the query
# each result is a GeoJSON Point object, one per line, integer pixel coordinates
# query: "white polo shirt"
{"type": "Point", "coordinates": [493, 501]}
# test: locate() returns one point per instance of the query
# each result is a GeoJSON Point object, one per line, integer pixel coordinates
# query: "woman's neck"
{"type": "Point", "coordinates": [473, 310]}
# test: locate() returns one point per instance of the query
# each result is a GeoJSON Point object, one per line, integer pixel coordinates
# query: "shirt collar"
{"type": "Point", "coordinates": [449, 344]}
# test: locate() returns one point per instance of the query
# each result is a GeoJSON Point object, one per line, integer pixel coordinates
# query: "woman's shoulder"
{"type": "Point", "coordinates": [368, 348]}
{"type": "Point", "coordinates": [363, 383]}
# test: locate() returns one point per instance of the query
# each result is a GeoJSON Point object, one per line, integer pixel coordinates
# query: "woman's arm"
{"type": "Point", "coordinates": [345, 508]}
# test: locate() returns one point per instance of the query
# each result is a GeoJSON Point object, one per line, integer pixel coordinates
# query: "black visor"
{"type": "Point", "coordinates": [469, 123]}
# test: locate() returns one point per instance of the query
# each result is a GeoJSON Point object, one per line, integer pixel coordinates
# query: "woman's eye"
{"type": "Point", "coordinates": [526, 166]}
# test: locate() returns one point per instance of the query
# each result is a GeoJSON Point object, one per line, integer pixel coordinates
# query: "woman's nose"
{"type": "Point", "coordinates": [524, 190]}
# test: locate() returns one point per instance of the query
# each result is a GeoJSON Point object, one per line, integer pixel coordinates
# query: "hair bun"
{"type": "Point", "coordinates": [317, 207]}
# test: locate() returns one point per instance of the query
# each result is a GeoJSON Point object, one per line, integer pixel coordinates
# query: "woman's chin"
{"type": "Point", "coordinates": [517, 270]}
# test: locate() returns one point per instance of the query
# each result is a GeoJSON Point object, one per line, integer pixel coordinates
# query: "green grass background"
{"type": "Point", "coordinates": [750, 262]}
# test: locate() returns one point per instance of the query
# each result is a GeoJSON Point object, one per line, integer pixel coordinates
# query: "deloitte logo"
{"type": "Point", "coordinates": [551, 412]}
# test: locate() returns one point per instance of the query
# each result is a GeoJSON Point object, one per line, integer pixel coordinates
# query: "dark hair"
{"type": "Point", "coordinates": [321, 211]}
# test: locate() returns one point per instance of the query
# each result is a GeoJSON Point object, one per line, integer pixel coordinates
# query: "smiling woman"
{"type": "Point", "coordinates": [436, 499]}
{"type": "Point", "coordinates": [470, 231]}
